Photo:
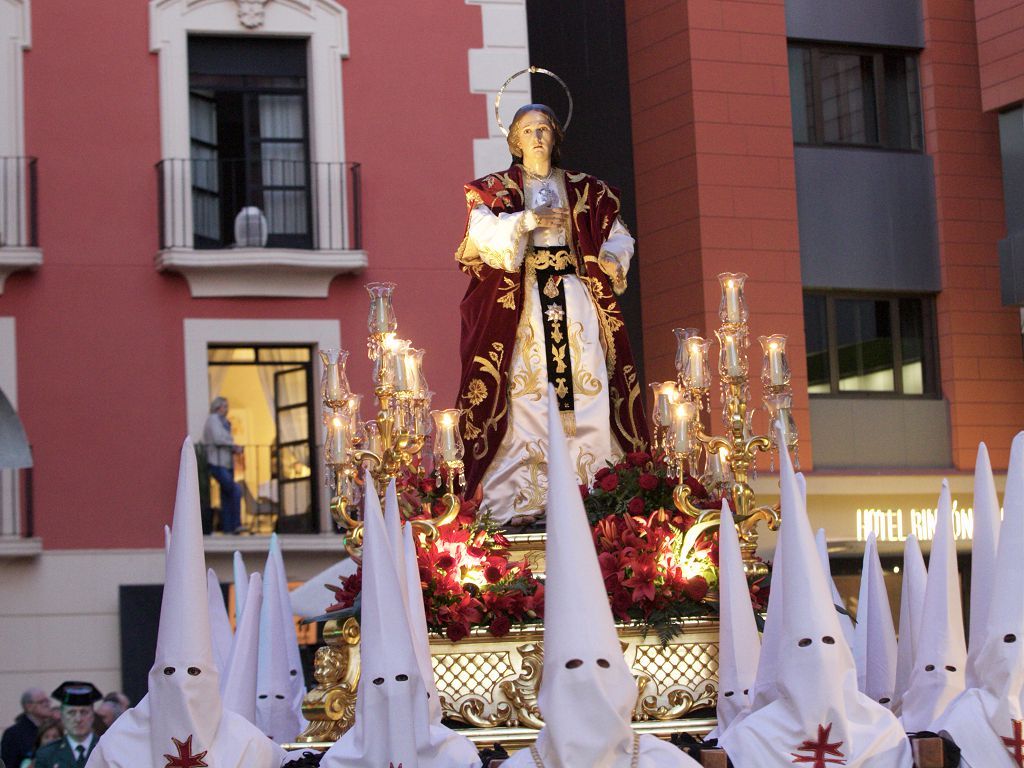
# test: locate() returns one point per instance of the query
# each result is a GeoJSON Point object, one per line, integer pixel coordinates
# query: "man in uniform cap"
{"type": "Point", "coordinates": [76, 713]}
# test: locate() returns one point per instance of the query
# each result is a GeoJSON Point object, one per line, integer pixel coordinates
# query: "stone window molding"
{"type": "Point", "coordinates": [254, 271]}
{"type": "Point", "coordinates": [15, 38]}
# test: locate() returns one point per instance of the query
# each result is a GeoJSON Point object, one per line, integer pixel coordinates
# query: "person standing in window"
{"type": "Point", "coordinates": [220, 456]}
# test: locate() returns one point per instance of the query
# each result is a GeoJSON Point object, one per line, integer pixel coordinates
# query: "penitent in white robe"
{"type": "Point", "coordinates": [515, 484]}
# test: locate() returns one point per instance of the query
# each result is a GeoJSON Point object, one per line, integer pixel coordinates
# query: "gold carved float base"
{"type": "Point", "coordinates": [488, 686]}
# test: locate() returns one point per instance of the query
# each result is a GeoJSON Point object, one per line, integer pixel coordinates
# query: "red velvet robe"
{"type": "Point", "coordinates": [492, 307]}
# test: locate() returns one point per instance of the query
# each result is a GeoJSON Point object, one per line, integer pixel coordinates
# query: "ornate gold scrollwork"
{"type": "Point", "coordinates": [330, 707]}
{"type": "Point", "coordinates": [522, 691]}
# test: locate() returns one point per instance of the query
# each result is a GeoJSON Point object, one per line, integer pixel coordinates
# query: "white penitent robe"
{"type": "Point", "coordinates": [515, 484]}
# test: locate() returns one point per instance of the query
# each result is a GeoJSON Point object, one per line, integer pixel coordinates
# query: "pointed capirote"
{"type": "Point", "coordinates": [984, 541]}
{"type": "Point", "coordinates": [182, 719]}
{"type": "Point", "coordinates": [938, 673]}
{"type": "Point", "coordinates": [241, 578]}
{"type": "Point", "coordinates": [915, 581]}
{"type": "Point", "coordinates": [418, 622]}
{"type": "Point", "coordinates": [845, 622]}
{"type": "Point", "coordinates": [874, 648]}
{"type": "Point", "coordinates": [818, 702]}
{"type": "Point", "coordinates": [393, 524]}
{"type": "Point", "coordinates": [392, 723]}
{"type": "Point", "coordinates": [291, 638]}
{"type": "Point", "coordinates": [985, 721]}
{"type": "Point", "coordinates": [765, 688]}
{"type": "Point", "coordinates": [587, 692]}
{"type": "Point", "coordinates": [276, 712]}
{"type": "Point", "coordinates": [739, 646]}
{"type": "Point", "coordinates": [221, 635]}
{"type": "Point", "coordinates": [239, 686]}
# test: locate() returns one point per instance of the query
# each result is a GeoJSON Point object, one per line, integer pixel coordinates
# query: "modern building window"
{"type": "Point", "coordinates": [863, 97]}
{"type": "Point", "coordinates": [864, 344]}
{"type": "Point", "coordinates": [248, 121]}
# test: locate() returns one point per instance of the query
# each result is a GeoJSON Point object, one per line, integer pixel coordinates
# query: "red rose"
{"type": "Point", "coordinates": [696, 588]}
{"type": "Point", "coordinates": [500, 626]}
{"type": "Point", "coordinates": [456, 632]}
{"type": "Point", "coordinates": [446, 562]}
{"type": "Point", "coordinates": [493, 574]}
{"type": "Point", "coordinates": [602, 472]}
{"type": "Point", "coordinates": [638, 458]}
{"type": "Point", "coordinates": [648, 481]}
{"type": "Point", "coordinates": [584, 491]}
{"type": "Point", "coordinates": [609, 482]}
{"type": "Point", "coordinates": [635, 506]}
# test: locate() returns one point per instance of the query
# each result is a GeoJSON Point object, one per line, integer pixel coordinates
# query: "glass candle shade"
{"type": "Point", "coordinates": [337, 444]}
{"type": "Point", "coordinates": [382, 314]}
{"type": "Point", "coordinates": [775, 370]}
{"type": "Point", "coordinates": [414, 371]}
{"type": "Point", "coordinates": [695, 366]}
{"type": "Point", "coordinates": [682, 348]}
{"type": "Point", "coordinates": [395, 371]}
{"type": "Point", "coordinates": [334, 387]}
{"type": "Point", "coordinates": [350, 409]}
{"type": "Point", "coordinates": [371, 440]}
{"type": "Point", "coordinates": [665, 396]}
{"type": "Point", "coordinates": [733, 308]}
{"type": "Point", "coordinates": [782, 426]}
{"type": "Point", "coordinates": [731, 360]}
{"type": "Point", "coordinates": [681, 435]}
{"type": "Point", "coordinates": [447, 439]}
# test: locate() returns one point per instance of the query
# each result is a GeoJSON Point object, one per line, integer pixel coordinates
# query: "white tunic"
{"type": "Point", "coordinates": [515, 484]}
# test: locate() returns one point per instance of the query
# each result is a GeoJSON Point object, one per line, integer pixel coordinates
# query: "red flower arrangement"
{"type": "Point", "coordinates": [466, 574]}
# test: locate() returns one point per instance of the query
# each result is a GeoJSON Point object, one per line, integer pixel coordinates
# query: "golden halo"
{"type": "Point", "coordinates": [533, 71]}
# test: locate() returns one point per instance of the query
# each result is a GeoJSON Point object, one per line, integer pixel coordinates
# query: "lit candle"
{"type": "Point", "coordinates": [682, 418]}
{"type": "Point", "coordinates": [665, 396]}
{"type": "Point", "coordinates": [776, 374]}
{"type": "Point", "coordinates": [732, 301]}
{"type": "Point", "coordinates": [698, 376]}
{"type": "Point", "coordinates": [732, 356]}
{"type": "Point", "coordinates": [446, 437]}
{"type": "Point", "coordinates": [337, 441]}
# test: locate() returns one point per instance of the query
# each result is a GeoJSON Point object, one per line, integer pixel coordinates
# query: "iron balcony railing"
{"type": "Point", "coordinates": [19, 223]}
{"type": "Point", "coordinates": [210, 203]}
{"type": "Point", "coordinates": [17, 517]}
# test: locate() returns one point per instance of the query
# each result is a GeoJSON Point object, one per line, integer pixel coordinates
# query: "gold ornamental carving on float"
{"type": "Point", "coordinates": [488, 686]}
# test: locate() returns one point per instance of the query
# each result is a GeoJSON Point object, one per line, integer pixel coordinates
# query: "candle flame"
{"type": "Point", "coordinates": [336, 422]}
{"type": "Point", "coordinates": [773, 345]}
{"type": "Point", "coordinates": [446, 420]}
{"type": "Point", "coordinates": [723, 454]}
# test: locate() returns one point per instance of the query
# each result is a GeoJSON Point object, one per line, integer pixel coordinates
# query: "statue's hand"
{"type": "Point", "coordinates": [551, 218]}
{"type": "Point", "coordinates": [613, 268]}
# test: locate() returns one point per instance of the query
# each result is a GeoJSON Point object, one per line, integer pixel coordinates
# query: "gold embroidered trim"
{"type": "Point", "coordinates": [541, 259]}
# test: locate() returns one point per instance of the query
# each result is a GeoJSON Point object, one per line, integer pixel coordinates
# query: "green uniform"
{"type": "Point", "coordinates": [60, 755]}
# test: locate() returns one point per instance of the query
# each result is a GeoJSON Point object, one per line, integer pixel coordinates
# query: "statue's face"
{"type": "Point", "coordinates": [535, 136]}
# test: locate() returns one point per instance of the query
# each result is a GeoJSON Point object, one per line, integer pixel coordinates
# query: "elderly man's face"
{"type": "Point", "coordinates": [40, 706]}
{"type": "Point", "coordinates": [107, 712]}
{"type": "Point", "coordinates": [77, 720]}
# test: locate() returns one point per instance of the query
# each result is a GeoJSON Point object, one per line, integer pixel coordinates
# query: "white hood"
{"type": "Point", "coordinates": [874, 648]}
{"type": "Point", "coordinates": [915, 580]}
{"type": "Point", "coordinates": [985, 721]}
{"type": "Point", "coordinates": [241, 579]}
{"type": "Point", "coordinates": [938, 673]}
{"type": "Point", "coordinates": [845, 622]}
{"type": "Point", "coordinates": [221, 635]}
{"type": "Point", "coordinates": [276, 712]}
{"type": "Point", "coordinates": [819, 712]}
{"type": "Point", "coordinates": [392, 724]}
{"type": "Point", "coordinates": [291, 640]}
{"type": "Point", "coordinates": [984, 541]}
{"type": "Point", "coordinates": [239, 686]}
{"type": "Point", "coordinates": [739, 645]}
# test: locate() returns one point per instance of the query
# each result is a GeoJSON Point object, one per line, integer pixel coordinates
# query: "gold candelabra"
{"type": "Point", "coordinates": [725, 462]}
{"type": "Point", "coordinates": [391, 442]}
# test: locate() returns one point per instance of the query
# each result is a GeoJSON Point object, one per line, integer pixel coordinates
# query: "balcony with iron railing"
{"type": "Point", "coordinates": [19, 219]}
{"type": "Point", "coordinates": [259, 227]}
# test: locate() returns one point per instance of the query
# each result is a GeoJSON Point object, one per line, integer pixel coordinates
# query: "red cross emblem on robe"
{"type": "Point", "coordinates": [823, 752]}
{"type": "Point", "coordinates": [1015, 743]}
{"type": "Point", "coordinates": [185, 758]}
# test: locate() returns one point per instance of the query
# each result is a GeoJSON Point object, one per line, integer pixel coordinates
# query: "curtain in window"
{"type": "Point", "coordinates": [282, 152]}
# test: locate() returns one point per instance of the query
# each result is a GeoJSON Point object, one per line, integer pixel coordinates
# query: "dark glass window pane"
{"type": "Point", "coordinates": [912, 346]}
{"type": "Point", "coordinates": [864, 340]}
{"type": "Point", "coordinates": [848, 98]}
{"type": "Point", "coordinates": [801, 94]}
{"type": "Point", "coordinates": [816, 333]}
{"type": "Point", "coordinates": [902, 102]}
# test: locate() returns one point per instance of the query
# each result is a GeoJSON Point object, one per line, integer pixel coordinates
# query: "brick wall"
{"type": "Point", "coordinates": [1000, 34]}
{"type": "Point", "coordinates": [713, 152]}
{"type": "Point", "coordinates": [982, 370]}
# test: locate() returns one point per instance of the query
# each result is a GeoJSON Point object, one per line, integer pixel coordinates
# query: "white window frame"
{"type": "Point", "coordinates": [200, 333]}
{"type": "Point", "coordinates": [254, 271]}
{"type": "Point", "coordinates": [15, 39]}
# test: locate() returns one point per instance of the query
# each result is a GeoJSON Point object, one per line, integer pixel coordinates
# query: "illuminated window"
{"type": "Point", "coordinates": [860, 344]}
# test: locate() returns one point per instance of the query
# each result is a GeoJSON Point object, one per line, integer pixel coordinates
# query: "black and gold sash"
{"type": "Point", "coordinates": [550, 264]}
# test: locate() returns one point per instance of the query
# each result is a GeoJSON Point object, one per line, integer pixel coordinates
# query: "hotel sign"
{"type": "Point", "coordinates": [897, 523]}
